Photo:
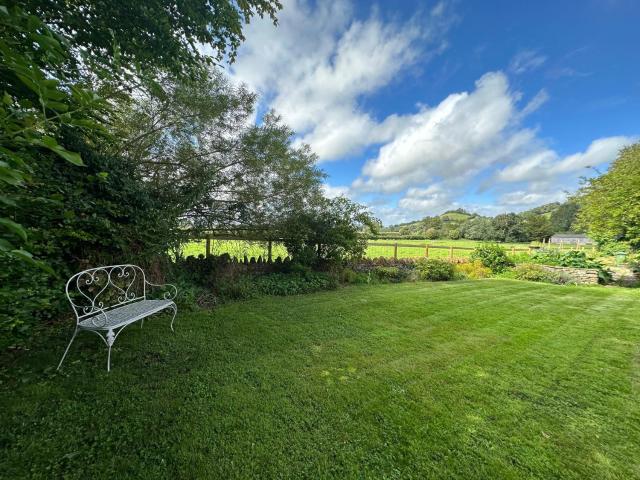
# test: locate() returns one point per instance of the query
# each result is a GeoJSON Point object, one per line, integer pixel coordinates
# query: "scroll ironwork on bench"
{"type": "Point", "coordinates": [107, 299]}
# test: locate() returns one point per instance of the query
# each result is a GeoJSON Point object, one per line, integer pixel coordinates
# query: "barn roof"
{"type": "Point", "coordinates": [570, 235]}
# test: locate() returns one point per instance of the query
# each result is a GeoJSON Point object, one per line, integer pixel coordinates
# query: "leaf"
{"type": "Point", "coordinates": [14, 227]}
{"type": "Point", "coordinates": [5, 245]}
{"type": "Point", "coordinates": [28, 257]}
{"type": "Point", "coordinates": [8, 201]}
{"type": "Point", "coordinates": [52, 144]}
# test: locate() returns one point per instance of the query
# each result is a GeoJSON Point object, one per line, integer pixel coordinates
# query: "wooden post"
{"type": "Point", "coordinates": [451, 252]}
{"type": "Point", "coordinates": [577, 245]}
{"type": "Point", "coordinates": [395, 251]}
{"type": "Point", "coordinates": [269, 247]}
{"type": "Point", "coordinates": [561, 245]}
{"type": "Point", "coordinates": [513, 250]}
{"type": "Point", "coordinates": [208, 246]}
{"type": "Point", "coordinates": [426, 250]}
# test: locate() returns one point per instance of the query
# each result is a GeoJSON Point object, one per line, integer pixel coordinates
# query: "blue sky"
{"type": "Point", "coordinates": [417, 107]}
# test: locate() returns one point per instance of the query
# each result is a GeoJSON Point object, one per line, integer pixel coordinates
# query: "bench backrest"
{"type": "Point", "coordinates": [104, 288]}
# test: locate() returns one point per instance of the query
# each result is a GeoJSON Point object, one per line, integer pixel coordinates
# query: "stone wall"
{"type": "Point", "coordinates": [584, 276]}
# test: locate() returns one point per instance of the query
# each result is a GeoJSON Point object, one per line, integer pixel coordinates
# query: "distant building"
{"type": "Point", "coordinates": [579, 238]}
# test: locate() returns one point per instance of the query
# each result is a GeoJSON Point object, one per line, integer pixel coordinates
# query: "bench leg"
{"type": "Point", "coordinates": [110, 339]}
{"type": "Point", "coordinates": [67, 349]}
{"type": "Point", "coordinates": [175, 311]}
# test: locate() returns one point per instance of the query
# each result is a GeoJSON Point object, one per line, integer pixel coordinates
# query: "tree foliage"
{"type": "Point", "coordinates": [197, 149]}
{"type": "Point", "coordinates": [330, 230]}
{"type": "Point", "coordinates": [38, 100]}
{"type": "Point", "coordinates": [610, 203]}
{"type": "Point", "coordinates": [151, 36]}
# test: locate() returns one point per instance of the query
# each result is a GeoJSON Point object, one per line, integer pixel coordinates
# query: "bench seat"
{"type": "Point", "coordinates": [124, 315]}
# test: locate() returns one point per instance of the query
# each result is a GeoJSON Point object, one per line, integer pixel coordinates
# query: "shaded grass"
{"type": "Point", "coordinates": [485, 379]}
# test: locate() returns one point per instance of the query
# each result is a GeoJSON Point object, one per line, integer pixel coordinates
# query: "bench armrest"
{"type": "Point", "coordinates": [170, 291]}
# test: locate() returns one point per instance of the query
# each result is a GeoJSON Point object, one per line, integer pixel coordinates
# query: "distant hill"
{"type": "Point", "coordinates": [534, 224]}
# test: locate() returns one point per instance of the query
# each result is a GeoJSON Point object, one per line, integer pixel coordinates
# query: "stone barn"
{"type": "Point", "coordinates": [573, 238]}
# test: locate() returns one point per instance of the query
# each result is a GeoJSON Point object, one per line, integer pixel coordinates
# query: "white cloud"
{"type": "Point", "coordinates": [600, 151]}
{"type": "Point", "coordinates": [546, 164]}
{"type": "Point", "coordinates": [423, 201]}
{"type": "Point", "coordinates": [464, 134]}
{"type": "Point", "coordinates": [535, 103]}
{"type": "Point", "coordinates": [335, 191]}
{"type": "Point", "coordinates": [525, 61]}
{"type": "Point", "coordinates": [320, 62]}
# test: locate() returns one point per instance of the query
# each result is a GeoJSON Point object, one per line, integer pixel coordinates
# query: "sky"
{"type": "Point", "coordinates": [417, 107]}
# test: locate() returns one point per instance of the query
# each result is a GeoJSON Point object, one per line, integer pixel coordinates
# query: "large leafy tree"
{"type": "Point", "coordinates": [152, 35]}
{"type": "Point", "coordinates": [329, 230]}
{"type": "Point", "coordinates": [610, 203]}
{"type": "Point", "coordinates": [197, 148]}
{"type": "Point", "coordinates": [564, 216]}
{"type": "Point", "coordinates": [508, 227]}
{"type": "Point", "coordinates": [56, 56]}
{"type": "Point", "coordinates": [536, 227]}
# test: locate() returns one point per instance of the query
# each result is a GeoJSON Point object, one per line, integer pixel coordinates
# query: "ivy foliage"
{"type": "Point", "coordinates": [38, 100]}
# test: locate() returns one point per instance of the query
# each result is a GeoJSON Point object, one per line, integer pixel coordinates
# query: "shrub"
{"type": "Point", "coordinates": [492, 256]}
{"type": "Point", "coordinates": [237, 288]}
{"type": "Point", "coordinates": [281, 284]}
{"type": "Point", "coordinates": [472, 270]}
{"type": "Point", "coordinates": [536, 273]}
{"type": "Point", "coordinates": [348, 275]}
{"type": "Point", "coordinates": [390, 274]}
{"type": "Point", "coordinates": [434, 269]}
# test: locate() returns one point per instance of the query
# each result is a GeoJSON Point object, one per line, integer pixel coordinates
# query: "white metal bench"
{"type": "Point", "coordinates": [107, 299]}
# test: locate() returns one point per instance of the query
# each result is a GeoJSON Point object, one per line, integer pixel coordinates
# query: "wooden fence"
{"type": "Point", "coordinates": [426, 247]}
{"type": "Point", "coordinates": [452, 248]}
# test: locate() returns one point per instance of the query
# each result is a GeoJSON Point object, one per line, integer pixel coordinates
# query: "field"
{"type": "Point", "coordinates": [484, 379]}
{"type": "Point", "coordinates": [408, 252]}
{"type": "Point", "coordinates": [235, 248]}
{"type": "Point", "coordinates": [240, 248]}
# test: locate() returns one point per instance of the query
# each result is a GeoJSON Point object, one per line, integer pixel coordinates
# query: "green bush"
{"type": "Point", "coordinates": [536, 273]}
{"type": "Point", "coordinates": [492, 256]}
{"type": "Point", "coordinates": [282, 284]}
{"type": "Point", "coordinates": [349, 276]}
{"type": "Point", "coordinates": [473, 270]}
{"type": "Point", "coordinates": [390, 274]}
{"type": "Point", "coordinates": [435, 270]}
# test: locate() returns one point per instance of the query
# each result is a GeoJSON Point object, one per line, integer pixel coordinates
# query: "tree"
{"type": "Point", "coordinates": [479, 228]}
{"type": "Point", "coordinates": [151, 36]}
{"type": "Point", "coordinates": [431, 233]}
{"type": "Point", "coordinates": [564, 217]}
{"type": "Point", "coordinates": [536, 227]}
{"type": "Point", "coordinates": [404, 231]}
{"type": "Point", "coordinates": [330, 230]}
{"type": "Point", "coordinates": [195, 146]}
{"type": "Point", "coordinates": [610, 203]}
{"type": "Point", "coordinates": [508, 228]}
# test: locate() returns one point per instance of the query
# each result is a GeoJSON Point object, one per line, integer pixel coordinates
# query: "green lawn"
{"type": "Point", "coordinates": [484, 379]}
